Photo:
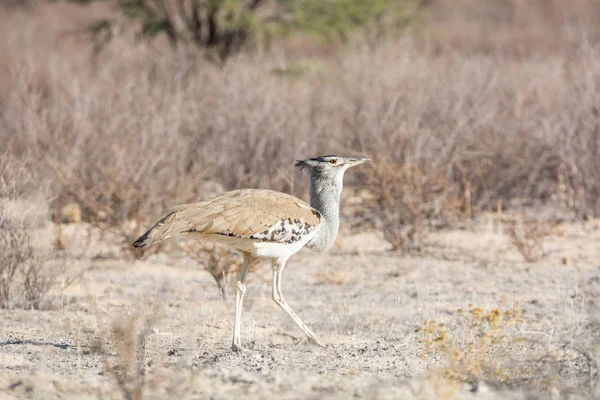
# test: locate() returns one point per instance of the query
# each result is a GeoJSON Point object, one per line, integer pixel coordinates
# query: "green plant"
{"type": "Point", "coordinates": [226, 26]}
{"type": "Point", "coordinates": [335, 19]}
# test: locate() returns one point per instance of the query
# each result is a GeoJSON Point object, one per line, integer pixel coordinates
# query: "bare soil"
{"type": "Point", "coordinates": [364, 302]}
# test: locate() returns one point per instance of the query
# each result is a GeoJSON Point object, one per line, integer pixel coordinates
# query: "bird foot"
{"type": "Point", "coordinates": [314, 340]}
{"type": "Point", "coordinates": [310, 339]}
{"type": "Point", "coordinates": [238, 348]}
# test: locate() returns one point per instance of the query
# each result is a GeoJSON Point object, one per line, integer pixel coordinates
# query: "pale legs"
{"type": "Point", "coordinates": [278, 266]}
{"type": "Point", "coordinates": [240, 291]}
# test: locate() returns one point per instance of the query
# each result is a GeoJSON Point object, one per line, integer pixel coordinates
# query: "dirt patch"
{"type": "Point", "coordinates": [367, 314]}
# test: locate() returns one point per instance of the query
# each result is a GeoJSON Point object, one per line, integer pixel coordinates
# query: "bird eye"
{"type": "Point", "coordinates": [333, 161]}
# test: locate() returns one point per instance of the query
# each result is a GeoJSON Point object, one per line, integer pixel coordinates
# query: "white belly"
{"type": "Point", "coordinates": [264, 249]}
{"type": "Point", "coordinates": [280, 250]}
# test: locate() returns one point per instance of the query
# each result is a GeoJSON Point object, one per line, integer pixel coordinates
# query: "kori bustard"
{"type": "Point", "coordinates": [265, 225]}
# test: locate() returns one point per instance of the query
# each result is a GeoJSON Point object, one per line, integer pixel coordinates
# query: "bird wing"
{"type": "Point", "coordinates": [256, 214]}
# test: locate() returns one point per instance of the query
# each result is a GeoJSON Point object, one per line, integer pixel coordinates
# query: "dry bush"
{"type": "Point", "coordinates": [491, 346]}
{"type": "Point", "coordinates": [468, 356]}
{"type": "Point", "coordinates": [15, 252]}
{"type": "Point", "coordinates": [333, 277]}
{"type": "Point", "coordinates": [142, 129]}
{"type": "Point", "coordinates": [137, 375]}
{"type": "Point", "coordinates": [409, 201]}
{"type": "Point", "coordinates": [513, 27]}
{"type": "Point", "coordinates": [129, 369]}
{"type": "Point", "coordinates": [527, 235]}
{"type": "Point", "coordinates": [41, 277]}
{"type": "Point", "coordinates": [149, 135]}
{"type": "Point", "coordinates": [219, 260]}
{"type": "Point", "coordinates": [112, 206]}
{"type": "Point", "coordinates": [17, 182]}
{"type": "Point", "coordinates": [15, 247]}
{"type": "Point", "coordinates": [28, 275]}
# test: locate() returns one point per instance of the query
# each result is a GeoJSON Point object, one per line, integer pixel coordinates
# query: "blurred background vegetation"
{"type": "Point", "coordinates": [228, 26]}
{"type": "Point", "coordinates": [127, 107]}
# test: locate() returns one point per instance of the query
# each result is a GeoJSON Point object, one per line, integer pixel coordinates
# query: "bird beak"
{"type": "Point", "coordinates": [356, 161]}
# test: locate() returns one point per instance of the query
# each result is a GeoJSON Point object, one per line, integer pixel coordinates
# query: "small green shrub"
{"type": "Point", "coordinates": [226, 26]}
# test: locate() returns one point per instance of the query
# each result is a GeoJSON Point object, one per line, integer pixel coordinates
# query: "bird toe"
{"type": "Point", "coordinates": [239, 348]}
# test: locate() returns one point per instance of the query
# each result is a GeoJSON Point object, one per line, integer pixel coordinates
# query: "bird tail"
{"type": "Point", "coordinates": [163, 229]}
{"type": "Point", "coordinates": [144, 240]}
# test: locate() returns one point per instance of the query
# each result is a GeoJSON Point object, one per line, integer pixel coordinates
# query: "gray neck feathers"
{"type": "Point", "coordinates": [325, 191]}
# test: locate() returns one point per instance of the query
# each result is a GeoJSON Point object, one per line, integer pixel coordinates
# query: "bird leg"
{"type": "Point", "coordinates": [278, 267]}
{"type": "Point", "coordinates": [240, 291]}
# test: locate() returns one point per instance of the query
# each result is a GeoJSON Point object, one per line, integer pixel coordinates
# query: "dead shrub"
{"type": "Point", "coordinates": [219, 260]}
{"type": "Point", "coordinates": [333, 277]}
{"type": "Point", "coordinates": [28, 276]}
{"type": "Point", "coordinates": [515, 28]}
{"type": "Point", "coordinates": [467, 349]}
{"type": "Point", "coordinates": [410, 201]}
{"type": "Point", "coordinates": [137, 374]}
{"type": "Point", "coordinates": [491, 346]}
{"type": "Point", "coordinates": [15, 251]}
{"type": "Point", "coordinates": [528, 235]}
{"type": "Point", "coordinates": [18, 183]}
{"type": "Point", "coordinates": [40, 277]}
{"type": "Point", "coordinates": [111, 200]}
{"type": "Point", "coordinates": [129, 369]}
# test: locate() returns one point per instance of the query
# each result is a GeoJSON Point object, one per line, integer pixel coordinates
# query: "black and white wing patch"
{"type": "Point", "coordinates": [286, 231]}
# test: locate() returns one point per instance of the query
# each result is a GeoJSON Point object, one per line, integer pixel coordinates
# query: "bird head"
{"type": "Point", "coordinates": [327, 182]}
{"type": "Point", "coordinates": [329, 165]}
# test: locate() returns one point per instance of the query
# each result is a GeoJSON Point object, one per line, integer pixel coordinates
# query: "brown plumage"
{"type": "Point", "coordinates": [246, 213]}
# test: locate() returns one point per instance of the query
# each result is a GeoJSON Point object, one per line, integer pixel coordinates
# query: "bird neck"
{"type": "Point", "coordinates": [325, 192]}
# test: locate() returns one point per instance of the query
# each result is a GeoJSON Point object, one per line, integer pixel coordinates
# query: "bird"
{"type": "Point", "coordinates": [265, 225]}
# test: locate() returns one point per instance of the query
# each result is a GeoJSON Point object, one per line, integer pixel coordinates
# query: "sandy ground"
{"type": "Point", "coordinates": [365, 305]}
